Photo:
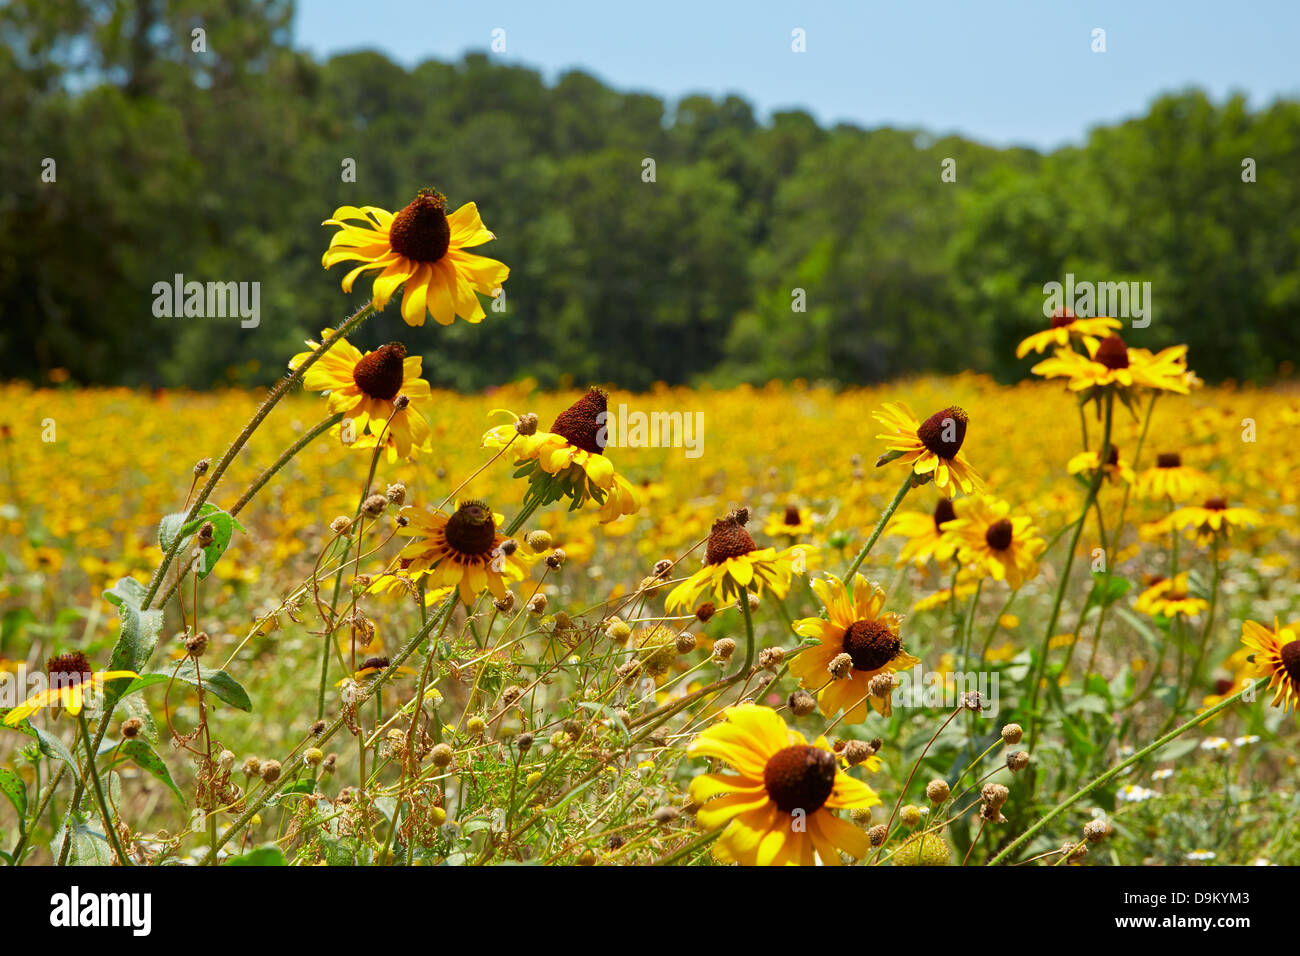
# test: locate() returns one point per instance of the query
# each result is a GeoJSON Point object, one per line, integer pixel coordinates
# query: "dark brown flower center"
{"type": "Point", "coordinates": [69, 668]}
{"type": "Point", "coordinates": [1112, 352]}
{"type": "Point", "coordinates": [1216, 504]}
{"type": "Point", "coordinates": [1290, 655]}
{"type": "Point", "coordinates": [1061, 317]}
{"type": "Point", "coordinates": [421, 231]}
{"type": "Point", "coordinates": [581, 422]}
{"type": "Point", "coordinates": [800, 778]}
{"type": "Point", "coordinates": [377, 663]}
{"type": "Point", "coordinates": [727, 539]}
{"type": "Point", "coordinates": [998, 535]}
{"type": "Point", "coordinates": [943, 432]}
{"type": "Point", "coordinates": [792, 515]}
{"type": "Point", "coordinates": [471, 530]}
{"type": "Point", "coordinates": [1169, 459]}
{"type": "Point", "coordinates": [943, 513]}
{"type": "Point", "coordinates": [871, 644]}
{"type": "Point", "coordinates": [379, 373]}
{"type": "Point", "coordinates": [1112, 458]}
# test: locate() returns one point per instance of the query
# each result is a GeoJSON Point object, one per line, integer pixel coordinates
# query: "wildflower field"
{"type": "Point", "coordinates": [936, 622]}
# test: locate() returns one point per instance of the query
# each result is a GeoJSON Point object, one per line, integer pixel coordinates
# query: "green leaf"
{"type": "Point", "coordinates": [218, 683]}
{"type": "Point", "coordinates": [145, 756]}
{"type": "Point", "coordinates": [50, 745]}
{"type": "Point", "coordinates": [1106, 590]}
{"type": "Point", "coordinates": [89, 847]}
{"type": "Point", "coordinates": [13, 787]}
{"type": "Point", "coordinates": [269, 855]}
{"type": "Point", "coordinates": [138, 636]}
{"type": "Point", "coordinates": [224, 525]}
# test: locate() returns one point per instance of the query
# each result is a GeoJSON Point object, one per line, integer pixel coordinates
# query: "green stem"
{"type": "Point", "coordinates": [284, 459]}
{"type": "Point", "coordinates": [92, 771]}
{"type": "Point", "coordinates": [880, 526]}
{"type": "Point", "coordinates": [1115, 771]}
{"type": "Point", "coordinates": [749, 634]}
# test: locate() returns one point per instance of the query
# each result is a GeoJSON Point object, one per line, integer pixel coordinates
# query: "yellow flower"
{"type": "Point", "coordinates": [932, 447]}
{"type": "Point", "coordinates": [924, 533]}
{"type": "Point", "coordinates": [365, 387]}
{"type": "Point", "coordinates": [1063, 325]}
{"type": "Point", "coordinates": [1005, 547]}
{"type": "Point", "coordinates": [1171, 479]}
{"type": "Point", "coordinates": [1168, 597]}
{"type": "Point", "coordinates": [854, 625]}
{"type": "Point", "coordinates": [462, 549]}
{"type": "Point", "coordinates": [70, 683]}
{"type": "Point", "coordinates": [733, 565]}
{"type": "Point", "coordinates": [1276, 656]}
{"type": "Point", "coordinates": [793, 521]}
{"type": "Point", "coordinates": [777, 805]}
{"type": "Point", "coordinates": [1117, 469]}
{"type": "Point", "coordinates": [572, 453]}
{"type": "Point", "coordinates": [1213, 518]}
{"type": "Point", "coordinates": [1112, 363]}
{"type": "Point", "coordinates": [423, 247]}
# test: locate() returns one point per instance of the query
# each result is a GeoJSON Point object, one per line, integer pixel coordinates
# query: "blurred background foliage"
{"type": "Point", "coordinates": [220, 165]}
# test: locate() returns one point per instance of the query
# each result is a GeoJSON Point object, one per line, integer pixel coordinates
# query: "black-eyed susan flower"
{"type": "Point", "coordinates": [1169, 597]}
{"type": "Point", "coordinates": [1064, 324]}
{"type": "Point", "coordinates": [1213, 519]}
{"type": "Point", "coordinates": [423, 247]}
{"type": "Point", "coordinates": [365, 387]}
{"type": "Point", "coordinates": [924, 533]}
{"type": "Point", "coordinates": [569, 461]}
{"type": "Point", "coordinates": [992, 540]}
{"type": "Point", "coordinates": [855, 625]}
{"type": "Point", "coordinates": [1111, 363]}
{"type": "Point", "coordinates": [733, 565]}
{"type": "Point", "coordinates": [70, 683]}
{"type": "Point", "coordinates": [1171, 479]}
{"type": "Point", "coordinates": [462, 549]}
{"type": "Point", "coordinates": [373, 666]}
{"type": "Point", "coordinates": [1276, 655]}
{"type": "Point", "coordinates": [932, 448]}
{"type": "Point", "coordinates": [791, 522]}
{"type": "Point", "coordinates": [1117, 469]}
{"type": "Point", "coordinates": [777, 805]}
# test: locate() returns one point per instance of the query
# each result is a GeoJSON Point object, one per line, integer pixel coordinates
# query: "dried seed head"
{"type": "Point", "coordinates": [910, 815]}
{"type": "Point", "coordinates": [1094, 831]}
{"type": "Point", "coordinates": [801, 703]}
{"type": "Point", "coordinates": [555, 559]}
{"type": "Point", "coordinates": [509, 546]}
{"type": "Point", "coordinates": [662, 567]}
{"type": "Point", "coordinates": [511, 694]}
{"type": "Point", "coordinates": [317, 728]}
{"type": "Point", "coordinates": [526, 424]}
{"type": "Point", "coordinates": [201, 467]}
{"type": "Point", "coordinates": [882, 685]}
{"type": "Point", "coordinates": [840, 666]}
{"type": "Point", "coordinates": [524, 742]}
{"type": "Point", "coordinates": [995, 794]}
{"type": "Point", "coordinates": [1017, 760]}
{"type": "Point", "coordinates": [971, 700]}
{"type": "Point", "coordinates": [330, 761]}
{"type": "Point", "coordinates": [705, 611]}
{"type": "Point", "coordinates": [252, 766]}
{"type": "Point", "coordinates": [723, 648]}
{"type": "Point", "coordinates": [666, 815]}
{"type": "Point", "coordinates": [754, 601]}
{"type": "Point", "coordinates": [341, 525]}
{"type": "Point", "coordinates": [770, 658]}
{"type": "Point", "coordinates": [441, 755]}
{"type": "Point", "coordinates": [131, 727]}
{"type": "Point", "coordinates": [226, 760]}
{"type": "Point", "coordinates": [401, 402]}
{"type": "Point", "coordinates": [506, 603]}
{"type": "Point", "coordinates": [1011, 733]}
{"type": "Point", "coordinates": [877, 834]}
{"type": "Point", "coordinates": [686, 642]}
{"type": "Point", "coordinates": [271, 771]}
{"type": "Point", "coordinates": [204, 537]}
{"type": "Point", "coordinates": [396, 493]}
{"type": "Point", "coordinates": [196, 644]}
{"type": "Point", "coordinates": [856, 751]}
{"type": "Point", "coordinates": [374, 506]}
{"type": "Point", "coordinates": [537, 604]}
{"type": "Point", "coordinates": [937, 791]}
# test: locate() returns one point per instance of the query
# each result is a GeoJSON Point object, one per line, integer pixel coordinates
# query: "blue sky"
{"type": "Point", "coordinates": [1014, 72]}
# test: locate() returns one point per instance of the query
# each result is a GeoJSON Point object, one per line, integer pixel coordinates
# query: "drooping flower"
{"type": "Point", "coordinates": [365, 388]}
{"type": "Point", "coordinates": [1169, 597]}
{"type": "Point", "coordinates": [461, 549]}
{"type": "Point", "coordinates": [924, 533]}
{"type": "Point", "coordinates": [70, 683]}
{"type": "Point", "coordinates": [734, 565]}
{"type": "Point", "coordinates": [1213, 519]}
{"type": "Point", "coordinates": [1111, 363]}
{"type": "Point", "coordinates": [1064, 324]}
{"type": "Point", "coordinates": [1276, 655]}
{"type": "Point", "coordinates": [423, 247]}
{"type": "Point", "coordinates": [569, 460]}
{"type": "Point", "coordinates": [1171, 479]}
{"type": "Point", "coordinates": [855, 625]}
{"type": "Point", "coordinates": [932, 447]}
{"type": "Point", "coordinates": [1117, 469]}
{"type": "Point", "coordinates": [777, 804]}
